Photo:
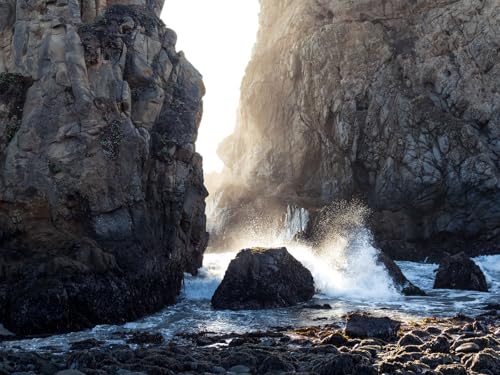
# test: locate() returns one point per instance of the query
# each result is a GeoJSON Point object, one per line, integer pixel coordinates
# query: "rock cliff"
{"type": "Point", "coordinates": [101, 190]}
{"type": "Point", "coordinates": [394, 102]}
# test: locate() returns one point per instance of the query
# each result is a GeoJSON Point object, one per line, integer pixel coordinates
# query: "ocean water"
{"type": "Point", "coordinates": [346, 277]}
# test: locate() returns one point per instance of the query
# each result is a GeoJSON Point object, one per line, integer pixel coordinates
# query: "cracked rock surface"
{"type": "Point", "coordinates": [101, 190]}
{"type": "Point", "coordinates": [395, 102]}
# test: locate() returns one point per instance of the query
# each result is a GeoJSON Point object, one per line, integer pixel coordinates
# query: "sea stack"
{"type": "Point", "coordinates": [101, 189]}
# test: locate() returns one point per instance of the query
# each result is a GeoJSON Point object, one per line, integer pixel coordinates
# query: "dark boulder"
{"type": "Point", "coordinates": [363, 325]}
{"type": "Point", "coordinates": [460, 272]}
{"type": "Point", "coordinates": [263, 278]}
{"type": "Point", "coordinates": [405, 286]}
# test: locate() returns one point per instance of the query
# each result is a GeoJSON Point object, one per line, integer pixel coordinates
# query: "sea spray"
{"type": "Point", "coordinates": [348, 268]}
{"type": "Point", "coordinates": [341, 258]}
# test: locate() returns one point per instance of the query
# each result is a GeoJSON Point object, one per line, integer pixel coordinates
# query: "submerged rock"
{"type": "Point", "coordinates": [261, 278]}
{"type": "Point", "coordinates": [400, 281]}
{"type": "Point", "coordinates": [366, 326]}
{"type": "Point", "coordinates": [101, 190]}
{"type": "Point", "coordinates": [460, 272]}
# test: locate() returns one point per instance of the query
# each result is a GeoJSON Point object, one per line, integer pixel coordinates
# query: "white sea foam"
{"type": "Point", "coordinates": [346, 267]}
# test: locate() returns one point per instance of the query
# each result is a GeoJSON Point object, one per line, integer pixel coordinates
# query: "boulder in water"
{"type": "Point", "coordinates": [404, 286]}
{"type": "Point", "coordinates": [363, 325]}
{"type": "Point", "coordinates": [261, 278]}
{"type": "Point", "coordinates": [460, 272]}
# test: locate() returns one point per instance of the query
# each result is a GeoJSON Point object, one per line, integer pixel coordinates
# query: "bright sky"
{"type": "Point", "coordinates": [217, 37]}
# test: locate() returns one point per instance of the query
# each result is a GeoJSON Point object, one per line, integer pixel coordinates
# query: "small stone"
{"type": "Point", "coordinates": [469, 347]}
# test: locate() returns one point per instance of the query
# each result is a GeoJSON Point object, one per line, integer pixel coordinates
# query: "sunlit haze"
{"type": "Point", "coordinates": [217, 38]}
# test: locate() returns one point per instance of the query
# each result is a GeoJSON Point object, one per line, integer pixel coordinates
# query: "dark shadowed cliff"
{"type": "Point", "coordinates": [394, 102]}
{"type": "Point", "coordinates": [101, 190]}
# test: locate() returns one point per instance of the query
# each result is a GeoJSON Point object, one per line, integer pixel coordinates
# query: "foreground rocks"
{"type": "Point", "coordinates": [101, 190]}
{"type": "Point", "coordinates": [460, 272]}
{"type": "Point", "coordinates": [429, 347]}
{"type": "Point", "coordinates": [394, 102]}
{"type": "Point", "coordinates": [264, 278]}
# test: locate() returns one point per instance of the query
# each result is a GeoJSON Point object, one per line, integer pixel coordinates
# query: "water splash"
{"type": "Point", "coordinates": [341, 258]}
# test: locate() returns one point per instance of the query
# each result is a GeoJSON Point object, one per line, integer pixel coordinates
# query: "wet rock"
{"type": "Point", "coordinates": [263, 278]}
{"type": "Point", "coordinates": [410, 339]}
{"type": "Point", "coordinates": [399, 279]}
{"type": "Point", "coordinates": [469, 347]}
{"type": "Point", "coordinates": [439, 345]}
{"type": "Point", "coordinates": [70, 372]}
{"type": "Point", "coordinates": [460, 272]}
{"type": "Point", "coordinates": [363, 325]}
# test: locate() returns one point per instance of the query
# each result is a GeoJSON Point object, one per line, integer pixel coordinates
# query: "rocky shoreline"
{"type": "Point", "coordinates": [446, 346]}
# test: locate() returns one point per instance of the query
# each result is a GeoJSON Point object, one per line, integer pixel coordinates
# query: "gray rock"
{"type": "Point", "coordinates": [394, 102]}
{"type": "Point", "coordinates": [101, 190]}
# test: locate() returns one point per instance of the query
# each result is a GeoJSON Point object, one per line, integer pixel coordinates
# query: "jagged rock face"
{"type": "Point", "coordinates": [396, 102]}
{"type": "Point", "coordinates": [101, 190]}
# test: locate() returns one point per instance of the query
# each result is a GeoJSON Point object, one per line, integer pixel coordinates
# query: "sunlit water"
{"type": "Point", "coordinates": [347, 281]}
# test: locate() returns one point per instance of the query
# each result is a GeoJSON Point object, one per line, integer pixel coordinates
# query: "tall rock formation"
{"type": "Point", "coordinates": [395, 102]}
{"type": "Point", "coordinates": [101, 190]}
